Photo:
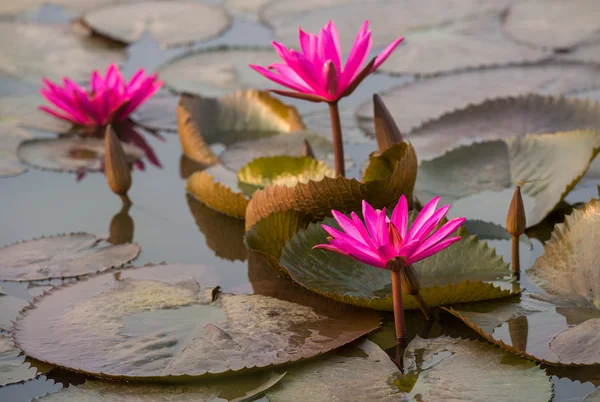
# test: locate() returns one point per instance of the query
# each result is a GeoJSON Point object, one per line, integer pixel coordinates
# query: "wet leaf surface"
{"type": "Point", "coordinates": [281, 171]}
{"type": "Point", "coordinates": [534, 22]}
{"type": "Point", "coordinates": [549, 164]}
{"type": "Point", "coordinates": [424, 99]}
{"type": "Point", "coordinates": [13, 367]}
{"type": "Point", "coordinates": [466, 271]}
{"type": "Point", "coordinates": [224, 235]}
{"type": "Point", "coordinates": [31, 51]}
{"type": "Point", "coordinates": [216, 71]}
{"type": "Point", "coordinates": [173, 23]}
{"type": "Point", "coordinates": [70, 153]}
{"type": "Point", "coordinates": [12, 136]}
{"type": "Point", "coordinates": [62, 256]}
{"type": "Point", "coordinates": [470, 43]}
{"type": "Point", "coordinates": [159, 322]}
{"type": "Point", "coordinates": [241, 389]}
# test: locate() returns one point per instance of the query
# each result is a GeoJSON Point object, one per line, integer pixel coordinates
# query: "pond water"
{"type": "Point", "coordinates": [165, 219]}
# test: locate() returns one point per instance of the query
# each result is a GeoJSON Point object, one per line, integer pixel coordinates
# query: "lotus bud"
{"type": "Point", "coordinates": [330, 78]}
{"type": "Point", "coordinates": [116, 167]}
{"type": "Point", "coordinates": [386, 130]}
{"type": "Point", "coordinates": [410, 280]}
{"type": "Point", "coordinates": [515, 221]}
{"type": "Point", "coordinates": [307, 150]}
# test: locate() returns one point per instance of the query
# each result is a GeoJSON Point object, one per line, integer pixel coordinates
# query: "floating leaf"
{"type": "Point", "coordinates": [470, 43]}
{"type": "Point", "coordinates": [70, 153]}
{"type": "Point", "coordinates": [173, 23]}
{"type": "Point", "coordinates": [394, 175]}
{"type": "Point", "coordinates": [17, 6]}
{"type": "Point", "coordinates": [534, 22]}
{"type": "Point", "coordinates": [502, 119]}
{"type": "Point", "coordinates": [593, 397]}
{"type": "Point", "coordinates": [224, 235]}
{"type": "Point", "coordinates": [158, 113]}
{"type": "Point", "coordinates": [22, 110]}
{"type": "Point", "coordinates": [389, 20]}
{"type": "Point", "coordinates": [242, 115]}
{"type": "Point", "coordinates": [417, 102]}
{"type": "Point", "coordinates": [466, 271]}
{"type": "Point", "coordinates": [62, 256]}
{"type": "Point", "coordinates": [11, 137]}
{"type": "Point", "coordinates": [9, 309]}
{"type": "Point", "coordinates": [33, 51]}
{"type": "Point", "coordinates": [217, 188]}
{"type": "Point", "coordinates": [216, 71]}
{"type": "Point", "coordinates": [281, 171]}
{"type": "Point", "coordinates": [320, 122]}
{"type": "Point", "coordinates": [586, 54]}
{"type": "Point", "coordinates": [245, 8]}
{"type": "Point", "coordinates": [550, 165]}
{"type": "Point", "coordinates": [158, 323]}
{"type": "Point", "coordinates": [491, 231]}
{"type": "Point", "coordinates": [240, 389]}
{"type": "Point", "coordinates": [12, 366]}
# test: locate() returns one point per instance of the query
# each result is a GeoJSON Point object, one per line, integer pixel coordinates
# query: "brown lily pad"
{"type": "Point", "coordinates": [535, 22]}
{"type": "Point", "coordinates": [415, 103]}
{"type": "Point", "coordinates": [70, 153]}
{"type": "Point", "coordinates": [62, 256]}
{"type": "Point", "coordinates": [162, 323]}
{"type": "Point", "coordinates": [171, 23]}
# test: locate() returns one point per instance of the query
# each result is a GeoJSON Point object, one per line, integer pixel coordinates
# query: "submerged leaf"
{"type": "Point", "coordinates": [466, 271]}
{"type": "Point", "coordinates": [163, 322]}
{"type": "Point", "coordinates": [417, 102]}
{"type": "Point", "coordinates": [173, 23]}
{"type": "Point", "coordinates": [550, 165]}
{"type": "Point", "coordinates": [11, 137]}
{"type": "Point", "coordinates": [70, 154]}
{"type": "Point", "coordinates": [62, 256]}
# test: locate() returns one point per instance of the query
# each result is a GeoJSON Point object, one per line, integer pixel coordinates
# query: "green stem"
{"type": "Point", "coordinates": [338, 144]}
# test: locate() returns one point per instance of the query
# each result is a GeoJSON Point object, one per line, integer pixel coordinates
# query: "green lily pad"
{"type": "Point", "coordinates": [417, 102]}
{"type": "Point", "coordinates": [13, 367]}
{"type": "Point", "coordinates": [549, 164]}
{"type": "Point", "coordinates": [223, 234]}
{"type": "Point", "coordinates": [217, 71]}
{"type": "Point", "coordinates": [393, 174]}
{"type": "Point", "coordinates": [534, 22]}
{"type": "Point", "coordinates": [239, 116]}
{"type": "Point", "coordinates": [33, 51]}
{"type": "Point", "coordinates": [12, 137]}
{"type": "Point", "coordinates": [162, 323]}
{"type": "Point", "coordinates": [471, 43]}
{"type": "Point", "coordinates": [173, 23]}
{"type": "Point", "coordinates": [62, 256]}
{"type": "Point", "coordinates": [281, 171]}
{"type": "Point", "coordinates": [70, 153]}
{"type": "Point", "coordinates": [241, 389]}
{"type": "Point", "coordinates": [466, 271]}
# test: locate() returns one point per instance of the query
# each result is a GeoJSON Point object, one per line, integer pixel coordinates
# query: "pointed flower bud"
{"type": "Point", "coordinates": [410, 280]}
{"type": "Point", "coordinates": [117, 169]}
{"type": "Point", "coordinates": [386, 130]}
{"type": "Point", "coordinates": [395, 237]}
{"type": "Point", "coordinates": [330, 78]}
{"type": "Point", "coordinates": [307, 150]}
{"type": "Point", "coordinates": [515, 221]}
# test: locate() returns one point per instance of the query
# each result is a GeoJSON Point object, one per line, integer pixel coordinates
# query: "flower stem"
{"type": "Point", "coordinates": [516, 263]}
{"type": "Point", "coordinates": [401, 336]}
{"type": "Point", "coordinates": [338, 145]}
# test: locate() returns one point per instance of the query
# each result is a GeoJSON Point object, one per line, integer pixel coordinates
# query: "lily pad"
{"type": "Point", "coordinates": [223, 234]}
{"type": "Point", "coordinates": [466, 271]}
{"type": "Point", "coordinates": [216, 71]}
{"type": "Point", "coordinates": [586, 54]}
{"type": "Point", "coordinates": [247, 9]}
{"type": "Point", "coordinates": [549, 164]}
{"type": "Point", "coordinates": [534, 22]}
{"type": "Point", "coordinates": [159, 323]}
{"type": "Point", "coordinates": [281, 171]}
{"type": "Point", "coordinates": [242, 115]}
{"type": "Point", "coordinates": [12, 137]}
{"type": "Point", "coordinates": [471, 43]}
{"type": "Point", "coordinates": [22, 110]}
{"type": "Point", "coordinates": [171, 23]}
{"type": "Point", "coordinates": [491, 231]}
{"type": "Point", "coordinates": [17, 6]}
{"type": "Point", "coordinates": [31, 51]}
{"type": "Point", "coordinates": [158, 113]}
{"type": "Point", "coordinates": [241, 389]}
{"type": "Point", "coordinates": [70, 153]}
{"type": "Point", "coordinates": [9, 309]}
{"type": "Point", "coordinates": [388, 19]}
{"type": "Point", "coordinates": [62, 256]}
{"type": "Point", "coordinates": [320, 122]}
{"type": "Point", "coordinates": [393, 174]}
{"type": "Point", "coordinates": [593, 397]}
{"type": "Point", "coordinates": [218, 189]}
{"type": "Point", "coordinates": [417, 102]}
{"type": "Point", "coordinates": [12, 365]}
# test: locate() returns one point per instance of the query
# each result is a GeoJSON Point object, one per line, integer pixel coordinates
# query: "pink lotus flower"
{"type": "Point", "coordinates": [384, 239]}
{"type": "Point", "coordinates": [110, 99]}
{"type": "Point", "coordinates": [316, 73]}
